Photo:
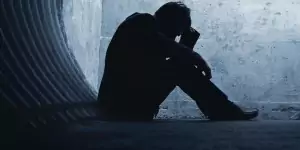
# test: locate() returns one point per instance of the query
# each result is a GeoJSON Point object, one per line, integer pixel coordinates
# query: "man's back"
{"type": "Point", "coordinates": [129, 67]}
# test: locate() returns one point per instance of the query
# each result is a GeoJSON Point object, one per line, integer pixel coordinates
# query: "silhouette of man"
{"type": "Point", "coordinates": [144, 64]}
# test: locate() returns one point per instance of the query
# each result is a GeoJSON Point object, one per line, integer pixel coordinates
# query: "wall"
{"type": "Point", "coordinates": [82, 20]}
{"type": "Point", "coordinates": [252, 47]}
{"type": "Point", "coordinates": [41, 83]}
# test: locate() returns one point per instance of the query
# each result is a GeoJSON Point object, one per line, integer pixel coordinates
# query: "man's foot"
{"type": "Point", "coordinates": [250, 114]}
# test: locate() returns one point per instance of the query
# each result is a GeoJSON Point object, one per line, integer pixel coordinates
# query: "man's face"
{"type": "Point", "coordinates": [174, 28]}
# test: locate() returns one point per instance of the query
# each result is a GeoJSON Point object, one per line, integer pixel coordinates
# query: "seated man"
{"type": "Point", "coordinates": [144, 64]}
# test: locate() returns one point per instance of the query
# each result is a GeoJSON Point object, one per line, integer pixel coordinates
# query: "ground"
{"type": "Point", "coordinates": [185, 134]}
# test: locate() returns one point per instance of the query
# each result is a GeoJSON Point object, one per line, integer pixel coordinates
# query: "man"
{"type": "Point", "coordinates": [144, 64]}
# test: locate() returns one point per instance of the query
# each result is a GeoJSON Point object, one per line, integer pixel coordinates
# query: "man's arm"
{"type": "Point", "coordinates": [166, 46]}
{"type": "Point", "coordinates": [189, 38]}
{"type": "Point", "coordinates": [185, 55]}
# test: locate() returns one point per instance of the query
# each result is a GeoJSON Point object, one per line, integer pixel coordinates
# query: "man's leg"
{"type": "Point", "coordinates": [209, 98]}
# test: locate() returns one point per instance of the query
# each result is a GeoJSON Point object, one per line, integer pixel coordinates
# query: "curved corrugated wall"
{"type": "Point", "coordinates": [40, 78]}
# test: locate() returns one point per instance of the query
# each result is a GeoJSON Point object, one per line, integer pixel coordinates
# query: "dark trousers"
{"type": "Point", "coordinates": [170, 73]}
{"type": "Point", "coordinates": [208, 97]}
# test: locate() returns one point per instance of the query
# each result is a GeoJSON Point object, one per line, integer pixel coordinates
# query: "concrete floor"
{"type": "Point", "coordinates": [186, 135]}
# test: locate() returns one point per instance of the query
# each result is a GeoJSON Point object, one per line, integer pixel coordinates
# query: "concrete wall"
{"type": "Point", "coordinates": [252, 47]}
{"type": "Point", "coordinates": [82, 20]}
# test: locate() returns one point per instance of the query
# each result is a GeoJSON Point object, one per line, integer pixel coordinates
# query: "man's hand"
{"type": "Point", "coordinates": [202, 65]}
{"type": "Point", "coordinates": [189, 38]}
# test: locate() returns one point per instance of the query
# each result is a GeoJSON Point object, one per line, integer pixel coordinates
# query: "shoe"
{"type": "Point", "coordinates": [250, 114]}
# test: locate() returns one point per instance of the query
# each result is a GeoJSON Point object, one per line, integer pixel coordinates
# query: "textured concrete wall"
{"type": "Point", "coordinates": [82, 19]}
{"type": "Point", "coordinates": [252, 47]}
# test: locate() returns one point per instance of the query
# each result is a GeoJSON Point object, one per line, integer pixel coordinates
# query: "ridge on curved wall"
{"type": "Point", "coordinates": [38, 71]}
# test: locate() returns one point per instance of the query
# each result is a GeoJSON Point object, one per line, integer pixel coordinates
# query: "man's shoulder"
{"type": "Point", "coordinates": [141, 17]}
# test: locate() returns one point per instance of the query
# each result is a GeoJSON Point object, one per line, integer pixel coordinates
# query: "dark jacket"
{"type": "Point", "coordinates": [133, 66]}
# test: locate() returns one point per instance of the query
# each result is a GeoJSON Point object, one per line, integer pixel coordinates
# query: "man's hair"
{"type": "Point", "coordinates": [172, 12]}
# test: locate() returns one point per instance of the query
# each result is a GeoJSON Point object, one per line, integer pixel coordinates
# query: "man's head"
{"type": "Point", "coordinates": [173, 18]}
